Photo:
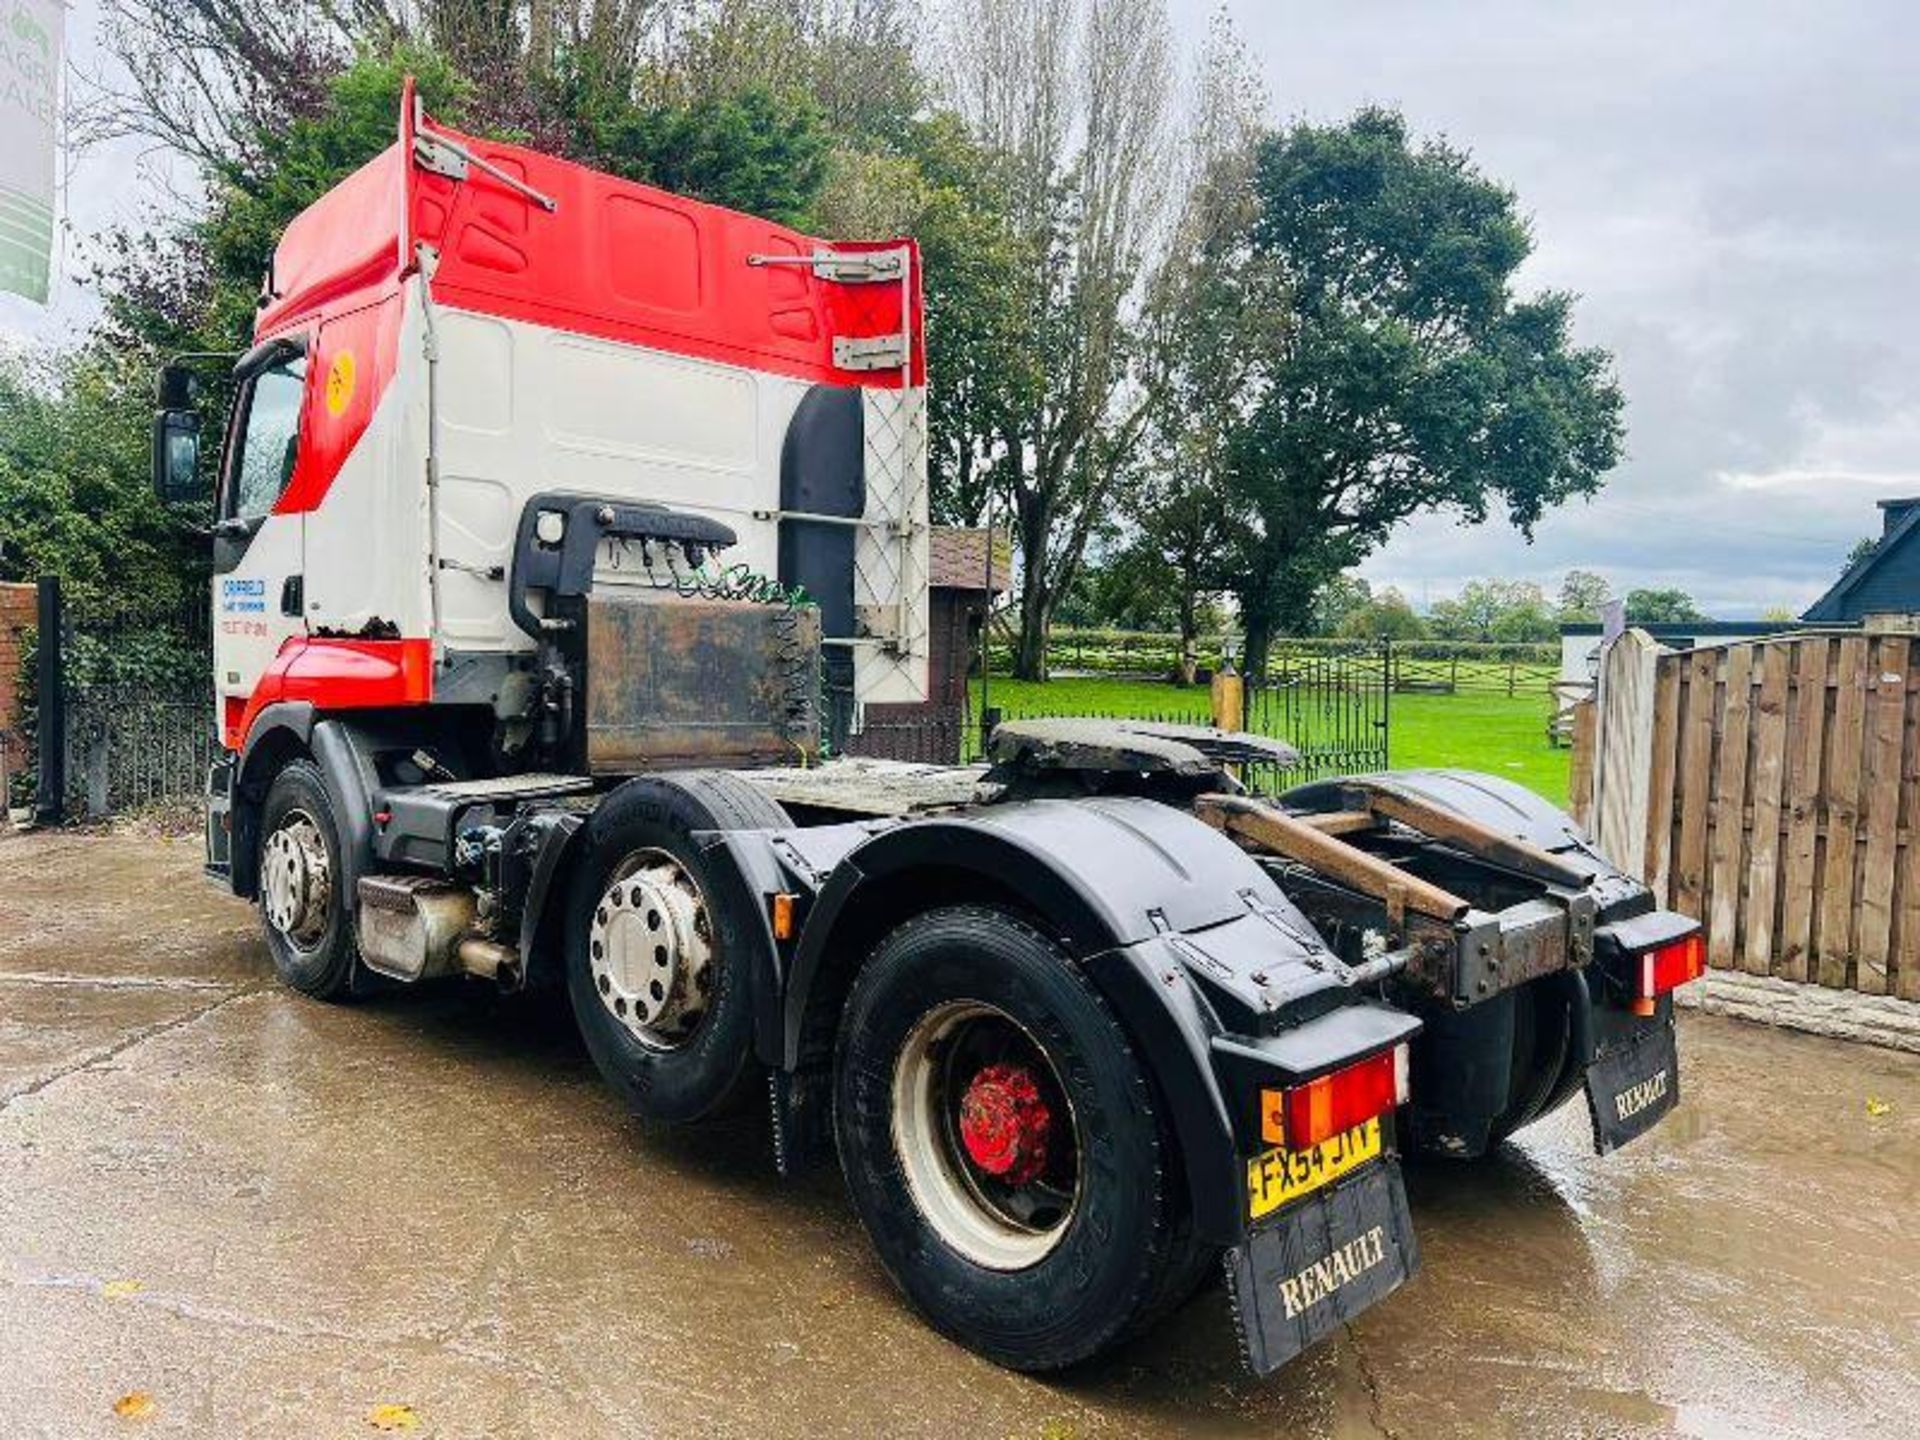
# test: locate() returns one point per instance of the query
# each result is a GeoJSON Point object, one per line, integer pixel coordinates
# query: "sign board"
{"type": "Point", "coordinates": [30, 37]}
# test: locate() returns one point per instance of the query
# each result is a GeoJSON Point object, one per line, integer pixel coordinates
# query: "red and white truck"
{"type": "Point", "coordinates": [557, 516]}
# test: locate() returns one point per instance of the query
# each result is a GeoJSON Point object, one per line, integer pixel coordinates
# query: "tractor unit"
{"type": "Point", "coordinates": [558, 519]}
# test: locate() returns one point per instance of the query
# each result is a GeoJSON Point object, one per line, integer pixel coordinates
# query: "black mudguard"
{"type": "Point", "coordinates": [1186, 937]}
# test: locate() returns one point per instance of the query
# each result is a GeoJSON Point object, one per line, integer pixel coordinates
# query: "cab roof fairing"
{"type": "Point", "coordinates": [613, 259]}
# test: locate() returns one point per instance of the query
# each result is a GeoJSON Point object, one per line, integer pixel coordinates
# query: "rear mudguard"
{"type": "Point", "coordinates": [1482, 1072]}
{"type": "Point", "coordinates": [1215, 977]}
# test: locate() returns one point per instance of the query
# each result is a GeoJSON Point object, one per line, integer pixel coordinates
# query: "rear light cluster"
{"type": "Point", "coordinates": [1301, 1116]}
{"type": "Point", "coordinates": [1668, 968]}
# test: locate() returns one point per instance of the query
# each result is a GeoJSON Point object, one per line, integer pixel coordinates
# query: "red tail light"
{"type": "Point", "coordinates": [1301, 1116]}
{"type": "Point", "coordinates": [1668, 968]}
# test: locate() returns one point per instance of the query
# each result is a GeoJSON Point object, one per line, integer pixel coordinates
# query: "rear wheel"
{"type": "Point", "coordinates": [302, 891]}
{"type": "Point", "coordinates": [1001, 1143]}
{"type": "Point", "coordinates": [1546, 1074]}
{"type": "Point", "coordinates": [658, 959]}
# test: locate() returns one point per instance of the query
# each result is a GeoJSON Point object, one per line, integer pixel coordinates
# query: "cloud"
{"type": "Point", "coordinates": [1732, 189]}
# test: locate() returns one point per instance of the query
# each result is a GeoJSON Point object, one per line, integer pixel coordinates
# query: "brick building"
{"type": "Point", "coordinates": [18, 608]}
{"type": "Point", "coordinates": [959, 591]}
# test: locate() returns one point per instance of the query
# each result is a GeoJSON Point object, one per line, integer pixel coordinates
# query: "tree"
{"type": "Point", "coordinates": [1411, 378]}
{"type": "Point", "coordinates": [1075, 94]}
{"type": "Point", "coordinates": [1582, 594]}
{"type": "Point", "coordinates": [83, 509]}
{"type": "Point", "coordinates": [1386, 616]}
{"type": "Point", "coordinates": [1507, 611]}
{"type": "Point", "coordinates": [1185, 534]}
{"type": "Point", "coordinates": [1663, 607]}
{"type": "Point", "coordinates": [1339, 596]}
{"type": "Point", "coordinates": [1862, 548]}
{"type": "Point", "coordinates": [1779, 615]}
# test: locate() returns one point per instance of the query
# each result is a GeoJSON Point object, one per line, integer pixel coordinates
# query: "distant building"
{"type": "Point", "coordinates": [1885, 581]}
{"type": "Point", "coordinates": [1580, 642]}
{"type": "Point", "coordinates": [961, 586]}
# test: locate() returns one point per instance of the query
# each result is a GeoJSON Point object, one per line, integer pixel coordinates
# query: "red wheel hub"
{"type": "Point", "coordinates": [1004, 1124]}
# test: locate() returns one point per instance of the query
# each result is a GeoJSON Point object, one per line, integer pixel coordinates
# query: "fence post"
{"type": "Point", "coordinates": [1623, 749]}
{"type": "Point", "coordinates": [1227, 696]}
{"type": "Point", "coordinates": [51, 701]}
{"type": "Point", "coordinates": [1387, 662]}
{"type": "Point", "coordinates": [990, 718]}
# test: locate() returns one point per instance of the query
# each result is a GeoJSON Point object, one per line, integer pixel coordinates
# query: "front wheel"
{"type": "Point", "coordinates": [303, 901]}
{"type": "Point", "coordinates": [1001, 1142]}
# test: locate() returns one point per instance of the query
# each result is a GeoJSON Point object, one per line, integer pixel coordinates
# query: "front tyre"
{"type": "Point", "coordinates": [658, 962]}
{"type": "Point", "coordinates": [1001, 1143]}
{"type": "Point", "coordinates": [303, 902]}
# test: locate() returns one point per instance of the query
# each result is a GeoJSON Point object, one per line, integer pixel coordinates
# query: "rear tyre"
{"type": "Point", "coordinates": [1546, 1073]}
{"type": "Point", "coordinates": [1001, 1144]}
{"type": "Point", "coordinates": [303, 902]}
{"type": "Point", "coordinates": [658, 959]}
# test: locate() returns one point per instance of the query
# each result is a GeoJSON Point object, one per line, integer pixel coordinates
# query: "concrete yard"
{"type": "Point", "coordinates": [271, 1216]}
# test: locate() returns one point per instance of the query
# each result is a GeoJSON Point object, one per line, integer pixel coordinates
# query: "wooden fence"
{"type": "Point", "coordinates": [1771, 789]}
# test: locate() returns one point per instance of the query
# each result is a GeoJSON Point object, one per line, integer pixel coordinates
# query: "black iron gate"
{"type": "Point", "coordinates": [123, 707]}
{"type": "Point", "coordinates": [1331, 701]}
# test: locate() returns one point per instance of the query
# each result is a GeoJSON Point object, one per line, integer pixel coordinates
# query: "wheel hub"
{"type": "Point", "coordinates": [650, 949]}
{"type": "Point", "coordinates": [296, 879]}
{"type": "Point", "coordinates": [985, 1135]}
{"type": "Point", "coordinates": [1005, 1125]}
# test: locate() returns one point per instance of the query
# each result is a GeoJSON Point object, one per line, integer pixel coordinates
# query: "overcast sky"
{"type": "Point", "coordinates": [1732, 187]}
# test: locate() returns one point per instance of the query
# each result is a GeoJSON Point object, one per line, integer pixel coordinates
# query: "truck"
{"type": "Point", "coordinates": [561, 526]}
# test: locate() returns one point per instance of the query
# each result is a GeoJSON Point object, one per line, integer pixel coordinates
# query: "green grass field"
{"type": "Point", "coordinates": [1468, 731]}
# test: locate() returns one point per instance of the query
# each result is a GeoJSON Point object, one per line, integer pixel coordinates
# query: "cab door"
{"type": "Point", "coordinates": [257, 554]}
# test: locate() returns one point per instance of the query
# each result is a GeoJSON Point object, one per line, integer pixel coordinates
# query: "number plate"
{"type": "Point", "coordinates": [1320, 1264]}
{"type": "Point", "coordinates": [1282, 1175]}
{"type": "Point", "coordinates": [1632, 1085]}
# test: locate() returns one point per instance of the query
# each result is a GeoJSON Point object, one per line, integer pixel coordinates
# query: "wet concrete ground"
{"type": "Point", "coordinates": [271, 1216]}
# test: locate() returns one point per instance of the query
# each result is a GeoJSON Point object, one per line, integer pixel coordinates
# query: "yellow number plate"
{"type": "Point", "coordinates": [1282, 1175]}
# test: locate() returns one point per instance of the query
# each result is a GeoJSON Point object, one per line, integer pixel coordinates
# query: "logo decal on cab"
{"type": "Point", "coordinates": [340, 378]}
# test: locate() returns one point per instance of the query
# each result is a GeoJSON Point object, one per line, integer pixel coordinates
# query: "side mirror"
{"type": "Point", "coordinates": [176, 455]}
{"type": "Point", "coordinates": [176, 436]}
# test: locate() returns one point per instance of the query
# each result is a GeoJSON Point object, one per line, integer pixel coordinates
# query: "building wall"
{"type": "Point", "coordinates": [930, 732]}
{"type": "Point", "coordinates": [18, 611]}
{"type": "Point", "coordinates": [18, 608]}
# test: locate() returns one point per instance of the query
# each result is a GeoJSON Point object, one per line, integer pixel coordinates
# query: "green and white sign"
{"type": "Point", "coordinates": [30, 34]}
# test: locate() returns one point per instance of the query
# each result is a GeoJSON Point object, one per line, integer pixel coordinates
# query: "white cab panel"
{"type": "Point", "coordinates": [524, 409]}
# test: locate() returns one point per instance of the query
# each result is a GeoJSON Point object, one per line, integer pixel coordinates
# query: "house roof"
{"type": "Point", "coordinates": [957, 558]}
{"type": "Point", "coordinates": [1833, 605]}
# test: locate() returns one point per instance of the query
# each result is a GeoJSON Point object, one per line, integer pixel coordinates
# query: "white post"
{"type": "Point", "coordinates": [1623, 749]}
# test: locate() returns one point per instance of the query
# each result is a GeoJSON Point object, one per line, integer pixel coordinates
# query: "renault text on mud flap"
{"type": "Point", "coordinates": [1334, 1272]}
{"type": "Point", "coordinates": [1635, 1098]}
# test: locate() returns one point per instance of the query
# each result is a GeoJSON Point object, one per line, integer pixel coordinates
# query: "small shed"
{"type": "Point", "coordinates": [967, 566]}
{"type": "Point", "coordinates": [1883, 582]}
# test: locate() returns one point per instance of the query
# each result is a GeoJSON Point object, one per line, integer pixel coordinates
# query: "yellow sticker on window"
{"type": "Point", "coordinates": [340, 384]}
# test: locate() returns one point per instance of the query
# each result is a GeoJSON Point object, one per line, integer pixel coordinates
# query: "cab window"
{"type": "Point", "coordinates": [268, 439]}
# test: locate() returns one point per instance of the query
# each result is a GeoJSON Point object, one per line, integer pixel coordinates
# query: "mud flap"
{"type": "Point", "coordinates": [1632, 1085]}
{"type": "Point", "coordinates": [1326, 1260]}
